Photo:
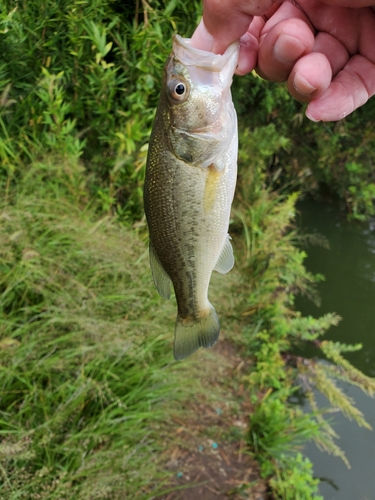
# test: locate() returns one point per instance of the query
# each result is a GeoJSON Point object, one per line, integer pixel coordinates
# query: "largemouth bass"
{"type": "Point", "coordinates": [189, 186]}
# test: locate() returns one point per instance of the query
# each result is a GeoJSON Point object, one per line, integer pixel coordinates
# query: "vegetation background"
{"type": "Point", "coordinates": [85, 358]}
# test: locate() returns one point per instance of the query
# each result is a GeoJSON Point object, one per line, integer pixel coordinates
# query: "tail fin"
{"type": "Point", "coordinates": [190, 336]}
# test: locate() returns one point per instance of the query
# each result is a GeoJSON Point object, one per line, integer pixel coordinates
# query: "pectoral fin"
{"type": "Point", "coordinates": [226, 259]}
{"type": "Point", "coordinates": [161, 279]}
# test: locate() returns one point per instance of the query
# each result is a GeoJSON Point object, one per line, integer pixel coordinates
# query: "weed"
{"type": "Point", "coordinates": [273, 273]}
{"type": "Point", "coordinates": [85, 356]}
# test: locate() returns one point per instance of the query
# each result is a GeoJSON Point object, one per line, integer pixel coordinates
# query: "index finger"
{"type": "Point", "coordinates": [225, 21]}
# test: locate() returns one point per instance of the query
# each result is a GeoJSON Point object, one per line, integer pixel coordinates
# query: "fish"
{"type": "Point", "coordinates": [190, 179]}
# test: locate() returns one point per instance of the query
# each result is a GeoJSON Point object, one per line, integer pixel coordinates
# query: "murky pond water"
{"type": "Point", "coordinates": [349, 290]}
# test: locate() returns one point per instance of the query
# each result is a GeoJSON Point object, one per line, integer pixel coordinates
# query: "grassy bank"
{"type": "Point", "coordinates": [89, 390]}
{"type": "Point", "coordinates": [88, 385]}
{"type": "Point", "coordinates": [85, 350]}
{"type": "Point", "coordinates": [90, 393]}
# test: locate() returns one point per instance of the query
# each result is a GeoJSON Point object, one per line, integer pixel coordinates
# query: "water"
{"type": "Point", "coordinates": [349, 290]}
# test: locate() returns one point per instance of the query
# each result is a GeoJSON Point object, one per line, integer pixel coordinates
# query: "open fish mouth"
{"type": "Point", "coordinates": [190, 56]}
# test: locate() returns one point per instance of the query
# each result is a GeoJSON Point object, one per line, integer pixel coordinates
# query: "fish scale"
{"type": "Point", "coordinates": [189, 187]}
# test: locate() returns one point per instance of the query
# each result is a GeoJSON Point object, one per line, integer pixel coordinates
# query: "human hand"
{"type": "Point", "coordinates": [325, 50]}
{"type": "Point", "coordinates": [226, 21]}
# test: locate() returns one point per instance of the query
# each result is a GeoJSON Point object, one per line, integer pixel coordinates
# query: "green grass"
{"type": "Point", "coordinates": [85, 349]}
{"type": "Point", "coordinates": [88, 383]}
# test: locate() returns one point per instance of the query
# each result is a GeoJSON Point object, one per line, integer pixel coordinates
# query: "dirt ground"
{"type": "Point", "coordinates": [215, 475]}
{"type": "Point", "coordinates": [207, 457]}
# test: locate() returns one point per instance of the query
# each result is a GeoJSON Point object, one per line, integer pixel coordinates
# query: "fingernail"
{"type": "Point", "coordinates": [288, 49]}
{"type": "Point", "coordinates": [322, 103]}
{"type": "Point", "coordinates": [302, 86]}
{"type": "Point", "coordinates": [310, 117]}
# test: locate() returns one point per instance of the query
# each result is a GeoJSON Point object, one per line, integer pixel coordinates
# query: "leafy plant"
{"type": "Point", "coordinates": [295, 481]}
{"type": "Point", "coordinates": [83, 78]}
{"type": "Point", "coordinates": [273, 273]}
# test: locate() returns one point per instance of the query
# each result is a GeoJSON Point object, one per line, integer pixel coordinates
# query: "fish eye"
{"type": "Point", "coordinates": [178, 90]}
